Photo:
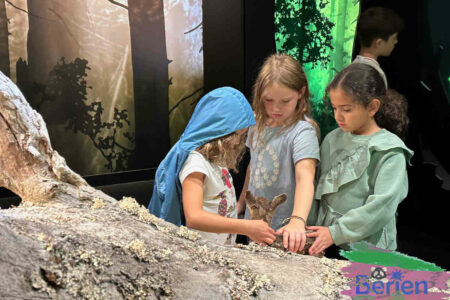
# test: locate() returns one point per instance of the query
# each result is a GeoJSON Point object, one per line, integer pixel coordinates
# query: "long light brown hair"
{"type": "Point", "coordinates": [282, 69]}
{"type": "Point", "coordinates": [226, 151]}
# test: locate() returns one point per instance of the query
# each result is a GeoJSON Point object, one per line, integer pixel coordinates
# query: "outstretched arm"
{"type": "Point", "coordinates": [199, 219]}
{"type": "Point", "coordinates": [390, 188]}
{"type": "Point", "coordinates": [294, 236]}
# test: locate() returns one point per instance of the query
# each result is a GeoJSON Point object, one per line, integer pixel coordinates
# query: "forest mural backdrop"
{"type": "Point", "coordinates": [320, 34]}
{"type": "Point", "coordinates": [113, 79]}
{"type": "Point", "coordinates": [116, 81]}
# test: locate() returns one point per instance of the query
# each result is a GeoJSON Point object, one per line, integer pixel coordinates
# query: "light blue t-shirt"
{"type": "Point", "coordinates": [272, 163]}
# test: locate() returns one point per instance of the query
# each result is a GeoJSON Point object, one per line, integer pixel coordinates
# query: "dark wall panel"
{"type": "Point", "coordinates": [223, 51]}
{"type": "Point", "coordinates": [259, 38]}
{"type": "Point", "coordinates": [413, 70]}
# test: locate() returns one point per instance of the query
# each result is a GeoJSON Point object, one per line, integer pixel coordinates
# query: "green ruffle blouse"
{"type": "Point", "coordinates": [362, 180]}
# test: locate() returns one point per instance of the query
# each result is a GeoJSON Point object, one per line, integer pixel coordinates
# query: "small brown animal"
{"type": "Point", "coordinates": [263, 209]}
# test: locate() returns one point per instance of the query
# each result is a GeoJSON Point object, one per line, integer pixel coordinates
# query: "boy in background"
{"type": "Point", "coordinates": [377, 31]}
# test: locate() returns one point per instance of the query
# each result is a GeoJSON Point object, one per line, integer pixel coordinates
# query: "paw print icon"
{"type": "Point", "coordinates": [378, 273]}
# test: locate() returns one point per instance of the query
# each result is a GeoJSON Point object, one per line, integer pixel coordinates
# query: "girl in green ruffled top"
{"type": "Point", "coordinates": [363, 163]}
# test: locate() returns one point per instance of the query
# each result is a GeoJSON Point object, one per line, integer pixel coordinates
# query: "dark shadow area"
{"type": "Point", "coordinates": [137, 184]}
{"type": "Point", "coordinates": [223, 55]}
{"type": "Point", "coordinates": [8, 199]}
{"type": "Point", "coordinates": [415, 69]}
{"type": "Point", "coordinates": [259, 42]}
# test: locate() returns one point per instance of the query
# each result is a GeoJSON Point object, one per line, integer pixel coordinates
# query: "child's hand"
{"type": "Point", "coordinates": [294, 236]}
{"type": "Point", "coordinates": [260, 232]}
{"type": "Point", "coordinates": [323, 239]}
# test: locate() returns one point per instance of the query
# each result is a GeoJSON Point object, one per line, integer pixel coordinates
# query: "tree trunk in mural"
{"type": "Point", "coordinates": [338, 54]}
{"type": "Point", "coordinates": [4, 49]}
{"type": "Point", "coordinates": [151, 81]}
{"type": "Point", "coordinates": [76, 77]}
{"type": "Point", "coordinates": [68, 240]}
{"type": "Point", "coordinates": [50, 36]}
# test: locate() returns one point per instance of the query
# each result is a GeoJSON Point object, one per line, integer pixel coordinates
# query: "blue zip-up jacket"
{"type": "Point", "coordinates": [220, 112]}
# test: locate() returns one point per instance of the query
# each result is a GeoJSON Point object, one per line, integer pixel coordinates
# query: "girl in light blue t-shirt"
{"type": "Point", "coordinates": [284, 146]}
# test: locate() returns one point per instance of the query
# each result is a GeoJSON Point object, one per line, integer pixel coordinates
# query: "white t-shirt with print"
{"type": "Point", "coordinates": [219, 196]}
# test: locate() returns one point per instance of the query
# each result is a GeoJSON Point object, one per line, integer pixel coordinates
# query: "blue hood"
{"type": "Point", "coordinates": [220, 112]}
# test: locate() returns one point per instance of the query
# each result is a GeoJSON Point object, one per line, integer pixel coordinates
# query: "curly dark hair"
{"type": "Point", "coordinates": [377, 22]}
{"type": "Point", "coordinates": [364, 84]}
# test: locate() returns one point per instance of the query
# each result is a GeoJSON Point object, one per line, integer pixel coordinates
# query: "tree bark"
{"type": "Point", "coordinates": [69, 240]}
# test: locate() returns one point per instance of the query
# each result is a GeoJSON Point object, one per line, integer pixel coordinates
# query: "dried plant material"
{"type": "Point", "coordinates": [98, 203]}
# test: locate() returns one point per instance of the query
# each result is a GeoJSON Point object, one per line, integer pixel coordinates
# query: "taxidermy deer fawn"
{"type": "Point", "coordinates": [263, 209]}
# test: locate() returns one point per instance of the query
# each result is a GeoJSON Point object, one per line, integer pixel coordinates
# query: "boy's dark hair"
{"type": "Point", "coordinates": [363, 83]}
{"type": "Point", "coordinates": [377, 22]}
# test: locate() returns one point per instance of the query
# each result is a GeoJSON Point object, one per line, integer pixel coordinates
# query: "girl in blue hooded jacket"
{"type": "Point", "coordinates": [192, 184]}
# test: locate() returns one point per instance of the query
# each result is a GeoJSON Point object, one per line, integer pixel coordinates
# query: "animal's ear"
{"type": "Point", "coordinates": [249, 199]}
{"type": "Point", "coordinates": [277, 201]}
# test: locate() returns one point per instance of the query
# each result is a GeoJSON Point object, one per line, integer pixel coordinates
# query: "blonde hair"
{"type": "Point", "coordinates": [282, 69]}
{"type": "Point", "coordinates": [225, 151]}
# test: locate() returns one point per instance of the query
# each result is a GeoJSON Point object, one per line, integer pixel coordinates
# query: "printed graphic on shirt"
{"type": "Point", "coordinates": [223, 209]}
{"type": "Point", "coordinates": [226, 177]}
{"type": "Point", "coordinates": [228, 181]}
{"type": "Point", "coordinates": [267, 168]}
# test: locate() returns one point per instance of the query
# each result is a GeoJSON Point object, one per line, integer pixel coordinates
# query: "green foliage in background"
{"type": "Point", "coordinates": [320, 34]}
{"type": "Point", "coordinates": [448, 88]}
{"type": "Point", "coordinates": [304, 31]}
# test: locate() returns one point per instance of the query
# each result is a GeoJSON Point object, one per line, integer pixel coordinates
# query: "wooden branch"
{"type": "Point", "coordinates": [184, 99]}
{"type": "Point", "coordinates": [24, 11]}
{"type": "Point", "coordinates": [118, 4]}
{"type": "Point", "coordinates": [195, 28]}
{"type": "Point", "coordinates": [16, 7]}
{"type": "Point", "coordinates": [29, 166]}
